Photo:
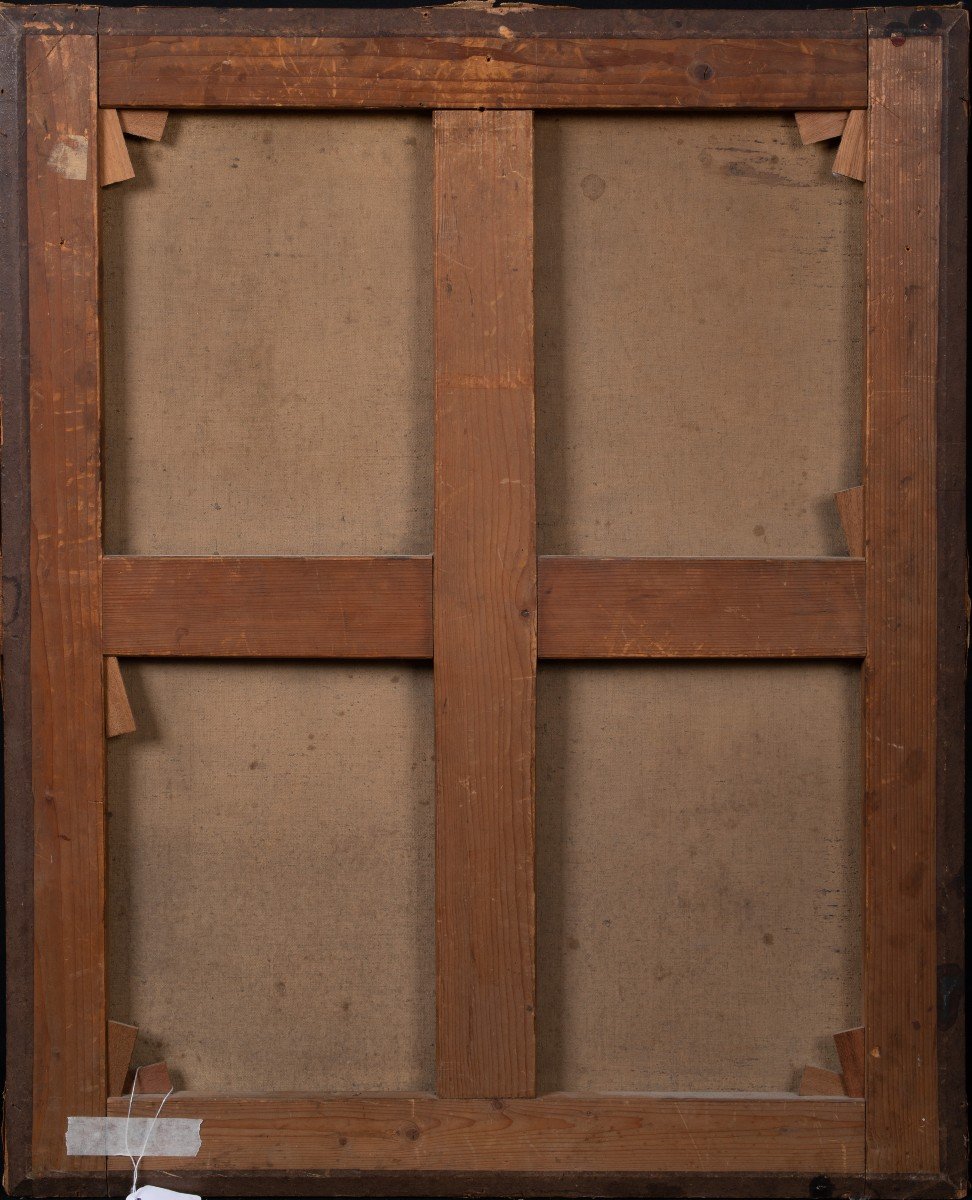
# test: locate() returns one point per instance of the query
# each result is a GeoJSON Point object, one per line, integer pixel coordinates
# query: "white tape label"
{"type": "Point", "coordinates": [171, 1137]}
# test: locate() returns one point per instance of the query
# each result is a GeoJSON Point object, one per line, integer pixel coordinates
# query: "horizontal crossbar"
{"type": "Point", "coordinates": [382, 607]}
{"type": "Point", "coordinates": [560, 1132]}
{"type": "Point", "coordinates": [184, 71]}
{"type": "Point", "coordinates": [701, 608]}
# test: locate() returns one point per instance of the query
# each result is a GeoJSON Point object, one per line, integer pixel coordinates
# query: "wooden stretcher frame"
{"type": "Point", "coordinates": [900, 609]}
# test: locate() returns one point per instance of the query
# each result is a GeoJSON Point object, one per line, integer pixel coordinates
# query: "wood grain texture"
{"type": "Point", "coordinates": [850, 1051]}
{"type": "Point", "coordinates": [851, 156]}
{"type": "Point", "coordinates": [561, 1132]}
{"type": "Point", "coordinates": [902, 254]}
{"type": "Point", "coordinates": [382, 607]}
{"type": "Point", "coordinates": [820, 126]}
{"type": "Point", "coordinates": [269, 607]}
{"type": "Point", "coordinates": [850, 508]}
{"type": "Point", "coordinates": [143, 122]}
{"type": "Point", "coordinates": [66, 659]}
{"type": "Point", "coordinates": [815, 1081]}
{"type": "Point", "coordinates": [121, 1047]}
{"type": "Point", "coordinates": [118, 712]}
{"type": "Point", "coordinates": [501, 72]}
{"type": "Point", "coordinates": [485, 605]}
{"type": "Point", "coordinates": [152, 1080]}
{"type": "Point", "coordinates": [701, 608]}
{"type": "Point", "coordinates": [114, 163]}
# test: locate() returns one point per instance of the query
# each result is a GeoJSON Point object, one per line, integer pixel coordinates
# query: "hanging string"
{"type": "Point", "coordinates": [148, 1136]}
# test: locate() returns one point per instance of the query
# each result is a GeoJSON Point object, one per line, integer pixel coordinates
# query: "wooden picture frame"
{"type": "Point", "coordinates": [484, 600]}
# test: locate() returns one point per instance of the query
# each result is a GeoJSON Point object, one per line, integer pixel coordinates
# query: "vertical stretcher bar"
{"type": "Point", "coordinates": [67, 698]}
{"type": "Point", "coordinates": [904, 156]}
{"type": "Point", "coordinates": [485, 604]}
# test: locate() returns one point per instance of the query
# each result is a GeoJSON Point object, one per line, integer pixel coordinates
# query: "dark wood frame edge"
{"type": "Point", "coordinates": [952, 601]}
{"type": "Point", "coordinates": [539, 21]}
{"type": "Point", "coordinates": [501, 1185]}
{"type": "Point", "coordinates": [504, 1185]}
{"type": "Point", "coordinates": [15, 524]}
